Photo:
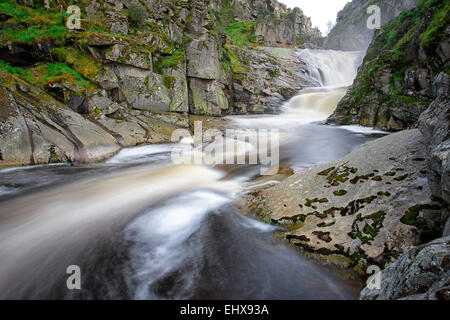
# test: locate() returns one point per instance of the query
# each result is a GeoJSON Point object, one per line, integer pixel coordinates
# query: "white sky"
{"type": "Point", "coordinates": [320, 11]}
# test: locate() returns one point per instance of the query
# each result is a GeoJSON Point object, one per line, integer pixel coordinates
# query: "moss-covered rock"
{"type": "Point", "coordinates": [399, 75]}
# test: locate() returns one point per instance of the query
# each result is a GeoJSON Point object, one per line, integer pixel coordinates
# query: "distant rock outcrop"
{"type": "Point", "coordinates": [351, 32]}
{"type": "Point", "coordinates": [405, 68]}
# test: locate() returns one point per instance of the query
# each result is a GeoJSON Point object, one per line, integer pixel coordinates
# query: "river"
{"type": "Point", "coordinates": [140, 227]}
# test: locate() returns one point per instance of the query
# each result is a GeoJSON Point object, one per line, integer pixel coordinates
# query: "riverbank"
{"type": "Point", "coordinates": [367, 208]}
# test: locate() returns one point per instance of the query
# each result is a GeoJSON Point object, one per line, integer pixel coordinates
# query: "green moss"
{"type": "Point", "coordinates": [372, 226]}
{"type": "Point", "coordinates": [79, 60]}
{"type": "Point", "coordinates": [171, 61]}
{"type": "Point", "coordinates": [401, 178]}
{"type": "Point", "coordinates": [411, 217]}
{"type": "Point", "coordinates": [340, 193]}
{"type": "Point", "coordinates": [237, 66]}
{"type": "Point", "coordinates": [436, 27]}
{"type": "Point", "coordinates": [44, 74]}
{"type": "Point", "coordinates": [326, 172]}
{"type": "Point", "coordinates": [169, 81]}
{"type": "Point", "coordinates": [242, 32]}
{"type": "Point", "coordinates": [31, 25]}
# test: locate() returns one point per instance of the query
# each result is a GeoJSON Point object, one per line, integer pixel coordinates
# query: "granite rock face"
{"type": "Point", "coordinates": [35, 128]}
{"type": "Point", "coordinates": [167, 56]}
{"type": "Point", "coordinates": [422, 273]}
{"type": "Point", "coordinates": [366, 208]}
{"type": "Point", "coordinates": [434, 125]}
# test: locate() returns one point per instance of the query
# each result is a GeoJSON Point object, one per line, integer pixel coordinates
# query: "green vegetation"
{"type": "Point", "coordinates": [30, 25]}
{"type": "Point", "coordinates": [79, 60]}
{"type": "Point", "coordinates": [411, 217]}
{"type": "Point", "coordinates": [373, 224]}
{"type": "Point", "coordinates": [340, 193]}
{"type": "Point", "coordinates": [395, 50]}
{"type": "Point", "coordinates": [45, 74]}
{"type": "Point", "coordinates": [243, 32]}
{"type": "Point", "coordinates": [136, 15]}
{"type": "Point", "coordinates": [171, 61]}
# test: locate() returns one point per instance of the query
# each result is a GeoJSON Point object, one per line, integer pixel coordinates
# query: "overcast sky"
{"type": "Point", "coordinates": [320, 11]}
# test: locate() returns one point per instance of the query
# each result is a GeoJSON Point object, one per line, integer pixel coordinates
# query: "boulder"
{"type": "Point", "coordinates": [203, 59]}
{"type": "Point", "coordinates": [79, 105]}
{"type": "Point", "coordinates": [206, 97]}
{"type": "Point", "coordinates": [143, 89]}
{"type": "Point", "coordinates": [130, 55]}
{"type": "Point", "coordinates": [116, 22]}
{"type": "Point", "coordinates": [36, 128]}
{"type": "Point", "coordinates": [366, 208]}
{"type": "Point", "coordinates": [103, 105]}
{"type": "Point", "coordinates": [423, 273]}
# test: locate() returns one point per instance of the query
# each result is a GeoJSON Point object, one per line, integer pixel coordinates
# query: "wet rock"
{"type": "Point", "coordinates": [367, 220]}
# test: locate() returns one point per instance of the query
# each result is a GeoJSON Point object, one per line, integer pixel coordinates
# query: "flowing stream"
{"type": "Point", "coordinates": [140, 227]}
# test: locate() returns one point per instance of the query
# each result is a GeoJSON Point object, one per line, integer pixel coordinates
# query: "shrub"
{"type": "Point", "coordinates": [136, 15]}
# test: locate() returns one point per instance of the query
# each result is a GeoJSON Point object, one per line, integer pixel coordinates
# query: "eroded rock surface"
{"type": "Point", "coordinates": [422, 273]}
{"type": "Point", "coordinates": [366, 208]}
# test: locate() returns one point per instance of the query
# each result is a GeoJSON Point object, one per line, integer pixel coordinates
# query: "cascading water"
{"type": "Point", "coordinates": [332, 68]}
{"type": "Point", "coordinates": [140, 227]}
{"type": "Point", "coordinates": [334, 71]}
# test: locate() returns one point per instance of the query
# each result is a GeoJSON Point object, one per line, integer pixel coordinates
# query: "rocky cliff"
{"type": "Point", "coordinates": [351, 31]}
{"type": "Point", "coordinates": [405, 68]}
{"type": "Point", "coordinates": [132, 67]}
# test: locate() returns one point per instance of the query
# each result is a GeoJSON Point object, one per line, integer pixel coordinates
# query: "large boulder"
{"type": "Point", "coordinates": [127, 54]}
{"type": "Point", "coordinates": [366, 208]}
{"type": "Point", "coordinates": [423, 273]}
{"type": "Point", "coordinates": [203, 59]}
{"type": "Point", "coordinates": [143, 89]}
{"type": "Point", "coordinates": [36, 128]}
{"type": "Point", "coordinates": [207, 97]}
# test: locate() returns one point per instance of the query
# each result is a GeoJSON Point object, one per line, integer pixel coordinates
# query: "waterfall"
{"type": "Point", "coordinates": [334, 71]}
{"type": "Point", "coordinates": [332, 68]}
